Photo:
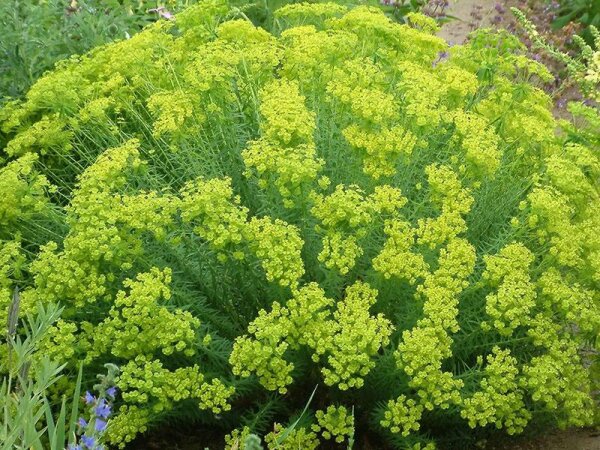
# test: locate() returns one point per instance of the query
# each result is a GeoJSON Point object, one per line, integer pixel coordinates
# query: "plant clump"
{"type": "Point", "coordinates": [233, 216]}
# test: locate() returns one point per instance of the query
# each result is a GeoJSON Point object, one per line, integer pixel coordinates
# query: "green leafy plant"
{"type": "Point", "coordinates": [233, 216]}
{"type": "Point", "coordinates": [586, 12]}
{"type": "Point", "coordinates": [583, 69]}
{"type": "Point", "coordinates": [28, 418]}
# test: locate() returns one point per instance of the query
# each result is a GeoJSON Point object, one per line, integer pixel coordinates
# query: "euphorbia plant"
{"type": "Point", "coordinates": [234, 216]}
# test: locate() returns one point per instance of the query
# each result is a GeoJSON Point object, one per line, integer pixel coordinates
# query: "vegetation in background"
{"type": "Point", "coordinates": [35, 34]}
{"type": "Point", "coordinates": [584, 68]}
{"type": "Point", "coordinates": [585, 12]}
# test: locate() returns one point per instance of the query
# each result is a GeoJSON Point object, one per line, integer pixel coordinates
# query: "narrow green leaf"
{"type": "Point", "coordinates": [75, 406]}
{"type": "Point", "coordinates": [59, 436]}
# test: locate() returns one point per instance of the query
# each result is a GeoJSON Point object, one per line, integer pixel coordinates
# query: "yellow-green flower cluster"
{"type": "Point", "coordinates": [423, 22]}
{"type": "Point", "coordinates": [23, 190]}
{"type": "Point", "coordinates": [460, 85]}
{"type": "Point", "coordinates": [568, 176]}
{"type": "Point", "coordinates": [424, 94]}
{"type": "Point", "coordinates": [263, 354]}
{"type": "Point", "coordinates": [383, 149]}
{"type": "Point", "coordinates": [309, 310]}
{"type": "Point", "coordinates": [424, 348]}
{"type": "Point", "coordinates": [575, 303]}
{"type": "Point", "coordinates": [334, 423]}
{"type": "Point", "coordinates": [145, 381]}
{"type": "Point", "coordinates": [137, 324]}
{"type": "Point", "coordinates": [500, 401]}
{"type": "Point", "coordinates": [286, 149]}
{"type": "Point", "coordinates": [344, 209]}
{"type": "Point", "coordinates": [379, 35]}
{"type": "Point", "coordinates": [347, 338]}
{"type": "Point", "coordinates": [218, 218]}
{"type": "Point", "coordinates": [453, 201]}
{"type": "Point", "coordinates": [340, 252]}
{"type": "Point", "coordinates": [236, 440]}
{"type": "Point", "coordinates": [550, 215]}
{"type": "Point", "coordinates": [510, 305]}
{"type": "Point", "coordinates": [310, 55]}
{"type": "Point", "coordinates": [124, 426]}
{"type": "Point", "coordinates": [530, 120]}
{"type": "Point", "coordinates": [420, 354]}
{"type": "Point", "coordinates": [302, 13]}
{"type": "Point", "coordinates": [61, 341]}
{"type": "Point", "coordinates": [441, 288]}
{"type": "Point", "coordinates": [214, 212]}
{"type": "Point", "coordinates": [105, 228]}
{"type": "Point", "coordinates": [361, 88]}
{"type": "Point", "coordinates": [285, 118]}
{"type": "Point", "coordinates": [402, 415]}
{"type": "Point", "coordinates": [432, 98]}
{"type": "Point", "coordinates": [50, 133]}
{"type": "Point", "coordinates": [278, 246]}
{"type": "Point", "coordinates": [298, 438]}
{"type": "Point", "coordinates": [171, 110]}
{"type": "Point", "coordinates": [558, 380]}
{"type": "Point", "coordinates": [479, 142]}
{"type": "Point", "coordinates": [398, 257]}
{"type": "Point", "coordinates": [257, 55]}
{"type": "Point", "coordinates": [345, 218]}
{"type": "Point", "coordinates": [355, 338]}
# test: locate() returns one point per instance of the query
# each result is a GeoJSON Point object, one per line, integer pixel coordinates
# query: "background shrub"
{"type": "Point", "coordinates": [36, 34]}
{"type": "Point", "coordinates": [234, 217]}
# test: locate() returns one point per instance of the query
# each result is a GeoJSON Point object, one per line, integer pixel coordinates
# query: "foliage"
{"type": "Point", "coordinates": [28, 419]}
{"type": "Point", "coordinates": [234, 216]}
{"type": "Point", "coordinates": [38, 33]}
{"type": "Point", "coordinates": [584, 69]}
{"type": "Point", "coordinates": [585, 12]}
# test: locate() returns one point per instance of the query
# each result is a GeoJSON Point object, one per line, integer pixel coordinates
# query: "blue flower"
{"type": "Point", "coordinates": [89, 398]}
{"type": "Point", "coordinates": [112, 391]}
{"type": "Point", "coordinates": [82, 423]}
{"type": "Point", "coordinates": [102, 409]}
{"type": "Point", "coordinates": [100, 425]}
{"type": "Point", "coordinates": [88, 441]}
{"type": "Point", "coordinates": [74, 447]}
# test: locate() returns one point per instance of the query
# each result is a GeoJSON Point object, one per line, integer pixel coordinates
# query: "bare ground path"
{"type": "Point", "coordinates": [470, 14]}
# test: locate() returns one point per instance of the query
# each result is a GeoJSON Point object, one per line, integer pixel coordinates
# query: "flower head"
{"type": "Point", "coordinates": [88, 441]}
{"type": "Point", "coordinates": [89, 398]}
{"type": "Point", "coordinates": [102, 409]}
{"type": "Point", "coordinates": [112, 392]}
{"type": "Point", "coordinates": [100, 425]}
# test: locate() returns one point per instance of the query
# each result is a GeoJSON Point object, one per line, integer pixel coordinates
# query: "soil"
{"type": "Point", "coordinates": [469, 15]}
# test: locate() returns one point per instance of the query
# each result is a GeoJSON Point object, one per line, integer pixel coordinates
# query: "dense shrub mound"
{"type": "Point", "coordinates": [235, 217]}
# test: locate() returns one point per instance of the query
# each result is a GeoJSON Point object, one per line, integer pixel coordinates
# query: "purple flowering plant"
{"type": "Point", "coordinates": [90, 429]}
